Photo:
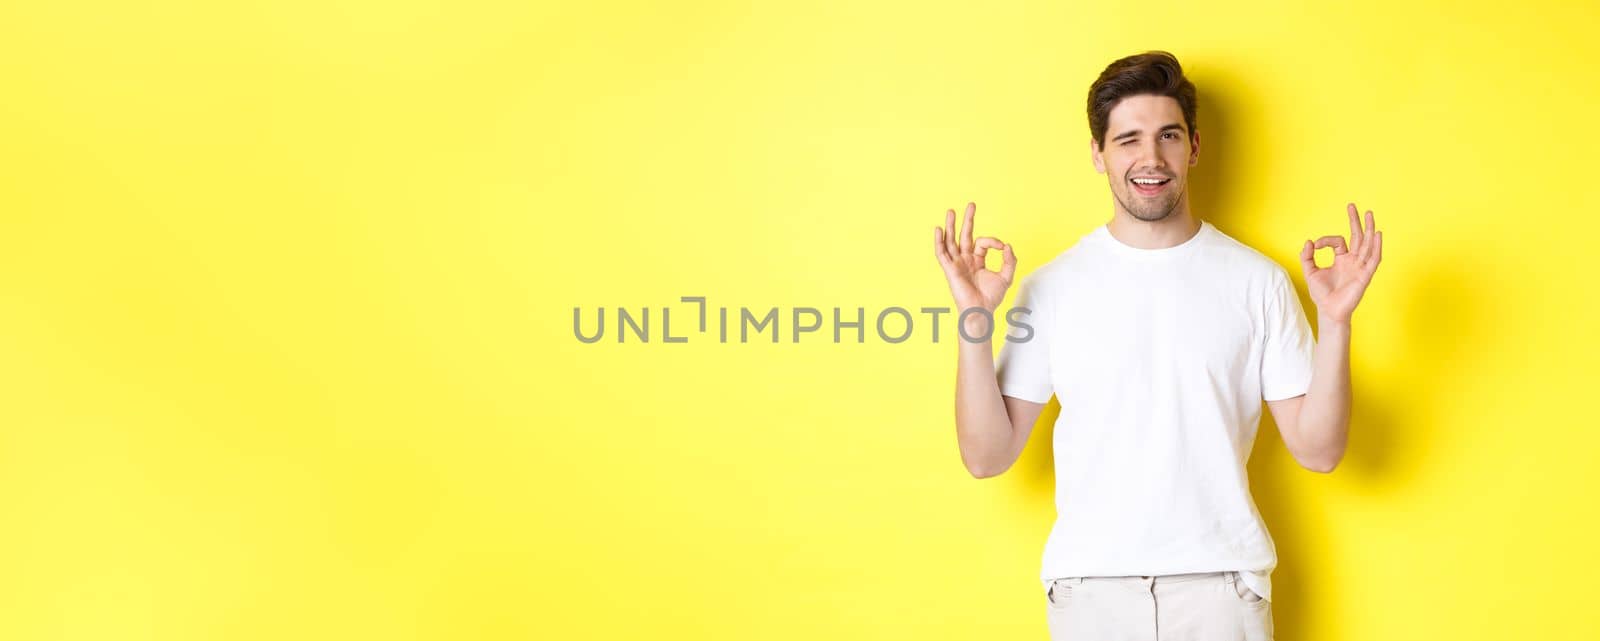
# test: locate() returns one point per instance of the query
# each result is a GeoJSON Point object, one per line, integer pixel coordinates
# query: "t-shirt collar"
{"type": "Point", "coordinates": [1119, 248]}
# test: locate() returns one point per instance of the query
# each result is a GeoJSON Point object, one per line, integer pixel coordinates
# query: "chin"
{"type": "Point", "coordinates": [1153, 215]}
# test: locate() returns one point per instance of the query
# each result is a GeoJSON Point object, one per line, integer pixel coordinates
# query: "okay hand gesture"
{"type": "Point", "coordinates": [971, 282]}
{"type": "Point", "coordinates": [1337, 289]}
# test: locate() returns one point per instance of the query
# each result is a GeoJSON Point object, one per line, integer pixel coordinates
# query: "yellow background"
{"type": "Point", "coordinates": [286, 314]}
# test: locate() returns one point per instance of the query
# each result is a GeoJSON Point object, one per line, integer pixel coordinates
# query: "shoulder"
{"type": "Point", "coordinates": [1058, 271]}
{"type": "Point", "coordinates": [1245, 262]}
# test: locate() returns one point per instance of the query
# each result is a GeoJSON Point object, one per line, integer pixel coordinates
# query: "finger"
{"type": "Point", "coordinates": [1009, 269]}
{"type": "Point", "coordinates": [1355, 228]}
{"type": "Point", "coordinates": [1377, 254]}
{"type": "Point", "coordinates": [1367, 236]}
{"type": "Point", "coordinates": [966, 228]}
{"type": "Point", "coordinates": [1336, 242]}
{"type": "Point", "coordinates": [950, 233]}
{"type": "Point", "coordinates": [1308, 260]}
{"type": "Point", "coordinates": [985, 244]}
{"type": "Point", "coordinates": [941, 252]}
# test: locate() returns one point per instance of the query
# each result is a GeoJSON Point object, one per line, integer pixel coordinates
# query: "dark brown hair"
{"type": "Point", "coordinates": [1154, 73]}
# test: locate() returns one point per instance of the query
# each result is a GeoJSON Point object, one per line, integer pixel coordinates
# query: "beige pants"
{"type": "Point", "coordinates": [1211, 606]}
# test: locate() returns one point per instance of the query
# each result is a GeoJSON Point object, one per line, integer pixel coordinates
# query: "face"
{"type": "Point", "coordinates": [1147, 140]}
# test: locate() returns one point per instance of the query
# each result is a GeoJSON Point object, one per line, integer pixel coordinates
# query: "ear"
{"type": "Point", "coordinates": [1094, 154]}
{"type": "Point", "coordinates": [1194, 151]}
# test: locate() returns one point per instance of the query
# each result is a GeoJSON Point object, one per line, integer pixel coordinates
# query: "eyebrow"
{"type": "Point", "coordinates": [1136, 132]}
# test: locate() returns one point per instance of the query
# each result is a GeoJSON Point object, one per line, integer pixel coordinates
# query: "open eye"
{"type": "Point", "coordinates": [1173, 134]}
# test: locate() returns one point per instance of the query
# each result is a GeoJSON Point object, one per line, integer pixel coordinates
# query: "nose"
{"type": "Point", "coordinates": [1150, 158]}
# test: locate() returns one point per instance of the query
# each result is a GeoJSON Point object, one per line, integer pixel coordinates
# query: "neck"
{"type": "Point", "coordinates": [1171, 231]}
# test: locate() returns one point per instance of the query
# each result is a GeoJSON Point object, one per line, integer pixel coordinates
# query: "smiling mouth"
{"type": "Point", "coordinates": [1149, 186]}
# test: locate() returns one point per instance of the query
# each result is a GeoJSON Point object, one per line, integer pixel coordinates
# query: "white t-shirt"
{"type": "Point", "coordinates": [1161, 359]}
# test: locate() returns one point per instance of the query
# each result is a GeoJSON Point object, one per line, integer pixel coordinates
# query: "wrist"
{"type": "Point", "coordinates": [976, 328]}
{"type": "Point", "coordinates": [1329, 323]}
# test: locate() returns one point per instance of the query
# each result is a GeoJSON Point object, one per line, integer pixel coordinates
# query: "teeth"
{"type": "Point", "coordinates": [1149, 181]}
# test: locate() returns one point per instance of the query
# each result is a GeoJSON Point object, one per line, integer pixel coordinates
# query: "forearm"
{"type": "Point", "coordinates": [1323, 425]}
{"type": "Point", "coordinates": [983, 428]}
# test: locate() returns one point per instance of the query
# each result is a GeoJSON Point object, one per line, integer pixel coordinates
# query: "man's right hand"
{"type": "Point", "coordinates": [972, 283]}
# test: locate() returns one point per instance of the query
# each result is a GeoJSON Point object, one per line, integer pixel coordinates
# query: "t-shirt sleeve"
{"type": "Point", "coordinates": [1023, 367]}
{"type": "Point", "coordinates": [1286, 362]}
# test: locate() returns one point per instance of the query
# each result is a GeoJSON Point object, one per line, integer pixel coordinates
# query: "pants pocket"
{"type": "Point", "coordinates": [1058, 594]}
{"type": "Point", "coordinates": [1243, 591]}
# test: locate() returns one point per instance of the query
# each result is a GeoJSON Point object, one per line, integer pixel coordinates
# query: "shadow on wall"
{"type": "Point", "coordinates": [1213, 185]}
{"type": "Point", "coordinates": [1381, 451]}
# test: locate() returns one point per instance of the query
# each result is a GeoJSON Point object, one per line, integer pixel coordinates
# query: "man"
{"type": "Point", "coordinates": [1161, 335]}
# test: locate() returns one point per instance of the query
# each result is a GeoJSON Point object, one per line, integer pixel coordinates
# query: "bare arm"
{"type": "Point", "coordinates": [1316, 425]}
{"type": "Point", "coordinates": [991, 429]}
